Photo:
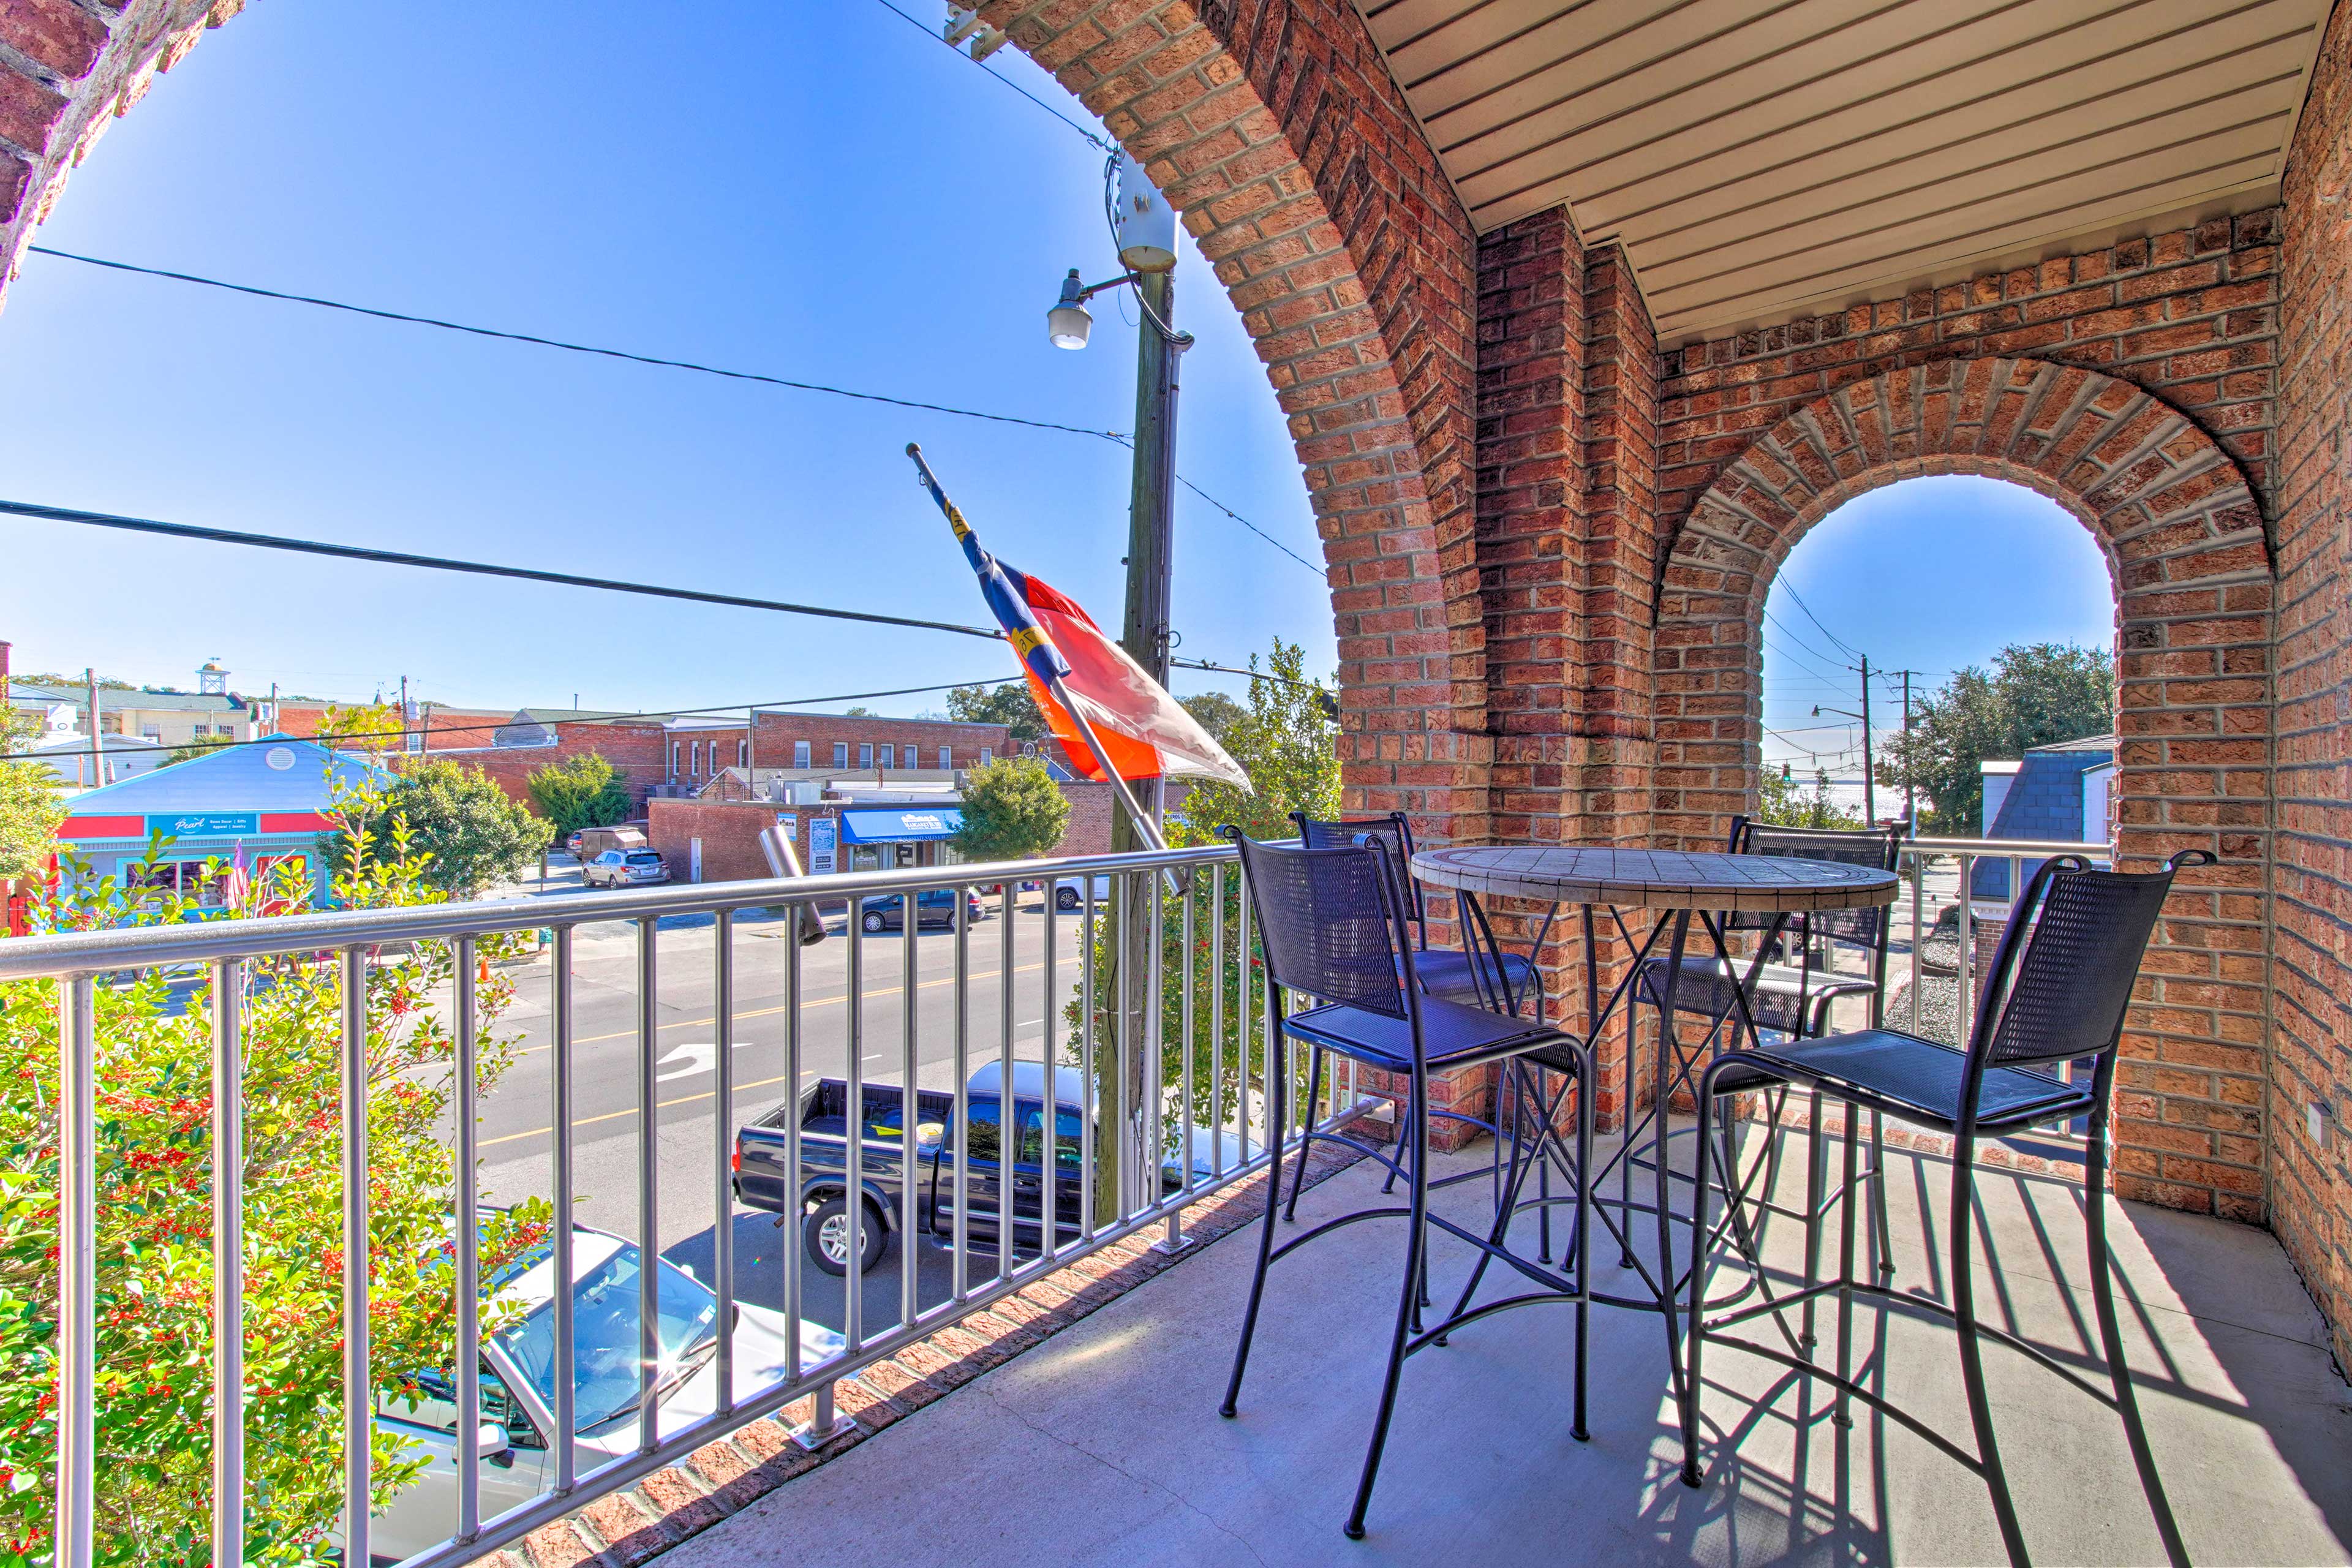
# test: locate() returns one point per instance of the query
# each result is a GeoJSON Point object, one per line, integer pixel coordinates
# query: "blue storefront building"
{"type": "Point", "coordinates": [269, 799]}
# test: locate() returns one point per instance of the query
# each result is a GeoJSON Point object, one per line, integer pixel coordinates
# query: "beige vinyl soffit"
{"type": "Point", "coordinates": [1759, 160]}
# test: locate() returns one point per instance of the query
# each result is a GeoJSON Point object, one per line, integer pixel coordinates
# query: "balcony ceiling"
{"type": "Point", "coordinates": [1760, 160]}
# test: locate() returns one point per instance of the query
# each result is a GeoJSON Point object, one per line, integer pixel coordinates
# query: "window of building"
{"type": "Point", "coordinates": [866, 754]}
{"type": "Point", "coordinates": [672, 759]}
{"type": "Point", "coordinates": [150, 731]}
{"type": "Point", "coordinates": [743, 752]}
{"type": "Point", "coordinates": [947, 759]}
{"type": "Point", "coordinates": [799, 753]}
{"type": "Point", "coordinates": [987, 755]}
{"type": "Point", "coordinates": [841, 754]}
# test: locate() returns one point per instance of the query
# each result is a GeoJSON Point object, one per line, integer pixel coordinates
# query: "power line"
{"type": "Point", "coordinates": [475, 568]}
{"type": "Point", "coordinates": [1118, 438]}
{"type": "Point", "coordinates": [993, 75]}
{"type": "Point", "coordinates": [1841, 642]}
{"type": "Point", "coordinates": [532, 574]}
{"type": "Point", "coordinates": [1782, 627]}
{"type": "Point", "coordinates": [658, 361]}
{"type": "Point", "coordinates": [431, 730]}
{"type": "Point", "coordinates": [1249, 524]}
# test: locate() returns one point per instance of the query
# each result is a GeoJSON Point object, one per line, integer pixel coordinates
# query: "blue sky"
{"type": "Point", "coordinates": [815, 192]}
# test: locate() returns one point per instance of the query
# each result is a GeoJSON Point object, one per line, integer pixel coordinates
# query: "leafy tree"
{"type": "Point", "coordinates": [371, 728]}
{"type": "Point", "coordinates": [1012, 810]}
{"type": "Point", "coordinates": [1785, 805]}
{"type": "Point", "coordinates": [471, 832]}
{"type": "Point", "coordinates": [30, 806]}
{"type": "Point", "coordinates": [154, 1328]}
{"type": "Point", "coordinates": [580, 792]}
{"type": "Point", "coordinates": [1217, 713]}
{"type": "Point", "coordinates": [1287, 743]}
{"type": "Point", "coordinates": [858, 713]}
{"type": "Point", "coordinates": [1011, 705]}
{"type": "Point", "coordinates": [2037, 694]}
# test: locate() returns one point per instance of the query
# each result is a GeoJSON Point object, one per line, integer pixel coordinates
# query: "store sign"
{"type": "Point", "coordinates": [790, 821]}
{"type": "Point", "coordinates": [822, 831]}
{"type": "Point", "coordinates": [206, 823]}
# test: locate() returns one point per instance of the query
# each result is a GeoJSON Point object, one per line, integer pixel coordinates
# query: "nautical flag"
{"type": "Point", "coordinates": [1146, 732]}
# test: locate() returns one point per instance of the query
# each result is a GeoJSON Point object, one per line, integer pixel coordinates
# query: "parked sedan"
{"type": "Point", "coordinates": [517, 1382]}
{"type": "Point", "coordinates": [1071, 892]}
{"type": "Point", "coordinates": [933, 907]}
{"type": "Point", "coordinates": [625, 869]}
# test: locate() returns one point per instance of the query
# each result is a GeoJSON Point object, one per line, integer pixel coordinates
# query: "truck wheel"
{"type": "Point", "coordinates": [873, 920]}
{"type": "Point", "coordinates": [1065, 899]}
{"type": "Point", "coordinates": [824, 1236]}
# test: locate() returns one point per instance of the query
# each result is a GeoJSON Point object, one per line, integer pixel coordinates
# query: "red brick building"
{"type": "Point", "coordinates": [657, 755]}
{"type": "Point", "coordinates": [1579, 325]}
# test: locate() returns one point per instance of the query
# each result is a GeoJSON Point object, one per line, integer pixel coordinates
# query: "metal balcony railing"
{"type": "Point", "coordinates": [1127, 1050]}
{"type": "Point", "coordinates": [1929, 909]}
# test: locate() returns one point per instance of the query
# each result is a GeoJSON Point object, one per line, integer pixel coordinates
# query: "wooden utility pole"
{"type": "Point", "coordinates": [1127, 1106]}
{"type": "Point", "coordinates": [1869, 781]}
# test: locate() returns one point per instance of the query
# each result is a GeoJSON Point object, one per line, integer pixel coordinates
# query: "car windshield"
{"type": "Point", "coordinates": [605, 1335]}
{"type": "Point", "coordinates": [645, 859]}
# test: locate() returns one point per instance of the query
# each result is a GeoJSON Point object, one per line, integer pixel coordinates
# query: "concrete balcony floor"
{"type": "Point", "coordinates": [1103, 1444]}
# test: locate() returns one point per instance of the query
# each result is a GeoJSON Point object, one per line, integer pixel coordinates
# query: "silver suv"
{"type": "Point", "coordinates": [624, 869]}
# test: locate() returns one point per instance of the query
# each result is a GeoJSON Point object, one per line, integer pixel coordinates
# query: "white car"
{"type": "Point", "coordinates": [518, 1386]}
{"type": "Point", "coordinates": [1071, 892]}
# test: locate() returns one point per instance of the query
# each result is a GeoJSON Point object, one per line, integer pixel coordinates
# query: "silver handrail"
{"type": "Point", "coordinates": [1916, 853]}
{"type": "Point", "coordinates": [356, 940]}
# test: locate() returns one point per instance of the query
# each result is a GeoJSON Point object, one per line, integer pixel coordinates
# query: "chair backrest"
{"type": "Point", "coordinates": [1329, 921]}
{"type": "Point", "coordinates": [1395, 835]}
{"type": "Point", "coordinates": [1880, 850]}
{"type": "Point", "coordinates": [2067, 959]}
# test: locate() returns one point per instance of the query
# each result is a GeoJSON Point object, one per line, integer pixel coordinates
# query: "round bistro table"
{"type": "Point", "coordinates": [1680, 885]}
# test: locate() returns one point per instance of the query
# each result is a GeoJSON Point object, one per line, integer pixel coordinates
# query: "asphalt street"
{"type": "Point", "coordinates": [516, 1128]}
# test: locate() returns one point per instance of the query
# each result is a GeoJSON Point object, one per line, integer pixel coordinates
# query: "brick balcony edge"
{"type": "Point", "coordinates": [639, 1522]}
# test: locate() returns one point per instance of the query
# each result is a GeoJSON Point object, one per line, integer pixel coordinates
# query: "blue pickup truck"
{"type": "Point", "coordinates": [822, 1203]}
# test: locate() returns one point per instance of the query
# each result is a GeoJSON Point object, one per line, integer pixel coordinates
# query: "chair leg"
{"type": "Point", "coordinates": [1314, 1090]}
{"type": "Point", "coordinates": [1843, 1415]}
{"type": "Point", "coordinates": [1806, 1336]}
{"type": "Point", "coordinates": [1963, 1228]}
{"type": "Point", "coordinates": [1588, 1089]}
{"type": "Point", "coordinates": [2102, 1295]}
{"type": "Point", "coordinates": [1278, 1132]}
{"type": "Point", "coordinates": [1407, 1304]}
{"type": "Point", "coordinates": [1697, 1325]}
{"type": "Point", "coordinates": [1878, 1197]}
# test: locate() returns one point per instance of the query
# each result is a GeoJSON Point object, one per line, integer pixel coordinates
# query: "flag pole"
{"type": "Point", "coordinates": [1144, 825]}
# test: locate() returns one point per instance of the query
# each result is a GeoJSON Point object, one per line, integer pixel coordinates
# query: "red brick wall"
{"type": "Point", "coordinates": [1275, 128]}
{"type": "Point", "coordinates": [2190, 315]}
{"type": "Point", "coordinates": [2310, 1039]}
{"type": "Point", "coordinates": [71, 70]}
{"type": "Point", "coordinates": [779, 730]}
{"type": "Point", "coordinates": [729, 832]}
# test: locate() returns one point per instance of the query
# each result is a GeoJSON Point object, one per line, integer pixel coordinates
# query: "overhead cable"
{"type": "Point", "coordinates": [476, 568]}
{"type": "Point", "coordinates": [1006, 81]}
{"type": "Point", "coordinates": [1118, 438]}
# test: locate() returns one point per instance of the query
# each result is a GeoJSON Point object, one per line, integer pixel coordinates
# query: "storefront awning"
{"type": "Point", "coordinates": [899, 826]}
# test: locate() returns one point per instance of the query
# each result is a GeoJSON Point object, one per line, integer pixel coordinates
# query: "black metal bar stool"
{"type": "Point", "coordinates": [2058, 991]}
{"type": "Point", "coordinates": [1332, 922]}
{"type": "Point", "coordinates": [1480, 975]}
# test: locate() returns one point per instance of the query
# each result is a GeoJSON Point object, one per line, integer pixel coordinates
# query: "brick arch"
{"type": "Point", "coordinates": [2170, 510]}
{"type": "Point", "coordinates": [1274, 126]}
{"type": "Point", "coordinates": [2193, 573]}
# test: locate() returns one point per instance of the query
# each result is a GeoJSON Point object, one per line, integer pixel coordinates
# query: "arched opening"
{"type": "Point", "coordinates": [2194, 589]}
{"type": "Point", "coordinates": [1941, 652]}
{"type": "Point", "coordinates": [1949, 590]}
